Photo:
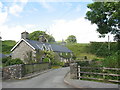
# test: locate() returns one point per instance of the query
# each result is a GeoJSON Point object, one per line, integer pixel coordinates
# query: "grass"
{"type": "Point", "coordinates": [81, 50]}
{"type": "Point", "coordinates": [55, 67]}
{"type": "Point", "coordinates": [7, 46]}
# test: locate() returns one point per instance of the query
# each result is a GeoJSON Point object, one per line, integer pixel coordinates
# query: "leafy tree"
{"type": "Point", "coordinates": [71, 39]}
{"type": "Point", "coordinates": [106, 15]}
{"type": "Point", "coordinates": [35, 36]}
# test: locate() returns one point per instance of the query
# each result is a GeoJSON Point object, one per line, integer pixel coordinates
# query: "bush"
{"type": "Point", "coordinates": [4, 60]}
{"type": "Point", "coordinates": [13, 62]}
{"type": "Point", "coordinates": [101, 48]}
{"type": "Point", "coordinates": [111, 61]}
{"type": "Point", "coordinates": [46, 60]}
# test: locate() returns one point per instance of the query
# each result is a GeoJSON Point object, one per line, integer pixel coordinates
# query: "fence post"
{"type": "Point", "coordinates": [103, 74]}
{"type": "Point", "coordinates": [79, 72]}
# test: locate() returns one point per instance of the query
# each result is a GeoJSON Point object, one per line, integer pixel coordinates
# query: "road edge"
{"type": "Point", "coordinates": [67, 82]}
{"type": "Point", "coordinates": [35, 74]}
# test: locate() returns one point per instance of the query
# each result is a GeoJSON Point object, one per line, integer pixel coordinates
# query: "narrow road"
{"type": "Point", "coordinates": [51, 79]}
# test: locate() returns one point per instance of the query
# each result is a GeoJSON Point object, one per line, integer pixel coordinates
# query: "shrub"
{"type": "Point", "coordinates": [46, 60]}
{"type": "Point", "coordinates": [101, 48]}
{"type": "Point", "coordinates": [13, 62]}
{"type": "Point", "coordinates": [111, 61]}
{"type": "Point", "coordinates": [4, 60]}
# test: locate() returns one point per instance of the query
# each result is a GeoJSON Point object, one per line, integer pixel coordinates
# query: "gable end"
{"type": "Point", "coordinates": [20, 42]}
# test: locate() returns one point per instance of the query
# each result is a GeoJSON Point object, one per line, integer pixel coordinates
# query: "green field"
{"type": "Point", "coordinates": [7, 46]}
{"type": "Point", "coordinates": [81, 50]}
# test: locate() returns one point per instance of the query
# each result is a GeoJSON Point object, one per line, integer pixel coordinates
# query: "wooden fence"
{"type": "Point", "coordinates": [96, 73]}
{"type": "Point", "coordinates": [99, 73]}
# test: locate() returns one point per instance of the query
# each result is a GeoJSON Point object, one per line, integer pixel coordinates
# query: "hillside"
{"type": "Point", "coordinates": [81, 50]}
{"type": "Point", "coordinates": [7, 46]}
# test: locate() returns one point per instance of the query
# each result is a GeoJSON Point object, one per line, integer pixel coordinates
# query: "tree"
{"type": "Point", "coordinates": [71, 39]}
{"type": "Point", "coordinates": [35, 36]}
{"type": "Point", "coordinates": [106, 15]}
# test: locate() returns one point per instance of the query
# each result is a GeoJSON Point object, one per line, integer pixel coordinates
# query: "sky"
{"type": "Point", "coordinates": [59, 18]}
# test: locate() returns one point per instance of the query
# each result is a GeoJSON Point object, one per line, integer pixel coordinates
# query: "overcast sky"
{"type": "Point", "coordinates": [59, 19]}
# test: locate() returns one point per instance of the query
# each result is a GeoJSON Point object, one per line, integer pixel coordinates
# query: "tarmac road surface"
{"type": "Point", "coordinates": [51, 79]}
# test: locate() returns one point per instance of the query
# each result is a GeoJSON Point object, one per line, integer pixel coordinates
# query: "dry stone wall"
{"type": "Point", "coordinates": [19, 71]}
{"type": "Point", "coordinates": [14, 71]}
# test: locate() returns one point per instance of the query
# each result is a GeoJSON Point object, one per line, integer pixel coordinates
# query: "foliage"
{"type": "Point", "coordinates": [106, 15]}
{"type": "Point", "coordinates": [4, 60]}
{"type": "Point", "coordinates": [65, 55]}
{"type": "Point", "coordinates": [101, 48]}
{"type": "Point", "coordinates": [80, 51]}
{"type": "Point", "coordinates": [71, 39]}
{"type": "Point", "coordinates": [111, 61]}
{"type": "Point", "coordinates": [0, 46]}
{"type": "Point", "coordinates": [53, 58]}
{"type": "Point", "coordinates": [35, 36]}
{"type": "Point", "coordinates": [49, 55]}
{"type": "Point", "coordinates": [39, 55]}
{"type": "Point", "coordinates": [46, 60]}
{"type": "Point", "coordinates": [7, 46]}
{"type": "Point", "coordinates": [13, 62]}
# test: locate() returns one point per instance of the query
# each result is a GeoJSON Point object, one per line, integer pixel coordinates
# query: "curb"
{"type": "Point", "coordinates": [67, 82]}
{"type": "Point", "coordinates": [34, 75]}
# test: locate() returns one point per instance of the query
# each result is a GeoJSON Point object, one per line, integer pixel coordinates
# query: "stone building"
{"type": "Point", "coordinates": [30, 49]}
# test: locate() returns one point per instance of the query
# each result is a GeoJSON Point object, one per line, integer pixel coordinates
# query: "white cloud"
{"type": "Point", "coordinates": [3, 14]}
{"type": "Point", "coordinates": [81, 28]}
{"type": "Point", "coordinates": [78, 8]}
{"type": "Point", "coordinates": [14, 32]}
{"type": "Point", "coordinates": [15, 9]}
{"type": "Point", "coordinates": [1, 5]}
{"type": "Point", "coordinates": [22, 1]}
{"type": "Point", "coordinates": [47, 6]}
{"type": "Point", "coordinates": [11, 33]}
{"type": "Point", "coordinates": [3, 17]}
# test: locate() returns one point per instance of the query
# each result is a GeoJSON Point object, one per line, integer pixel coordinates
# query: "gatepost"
{"type": "Point", "coordinates": [73, 71]}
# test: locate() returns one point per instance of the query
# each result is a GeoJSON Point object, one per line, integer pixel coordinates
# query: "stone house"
{"type": "Point", "coordinates": [26, 47]}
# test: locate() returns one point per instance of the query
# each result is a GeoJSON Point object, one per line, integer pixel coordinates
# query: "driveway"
{"type": "Point", "coordinates": [51, 79]}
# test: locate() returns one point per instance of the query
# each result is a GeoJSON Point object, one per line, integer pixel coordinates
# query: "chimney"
{"type": "Point", "coordinates": [25, 35]}
{"type": "Point", "coordinates": [42, 39]}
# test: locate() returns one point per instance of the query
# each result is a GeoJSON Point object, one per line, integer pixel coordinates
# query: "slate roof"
{"type": "Point", "coordinates": [53, 47]}
{"type": "Point", "coordinates": [2, 55]}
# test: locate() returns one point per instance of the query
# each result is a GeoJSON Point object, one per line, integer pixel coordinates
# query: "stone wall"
{"type": "Point", "coordinates": [73, 71]}
{"type": "Point", "coordinates": [19, 71]}
{"type": "Point", "coordinates": [10, 72]}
